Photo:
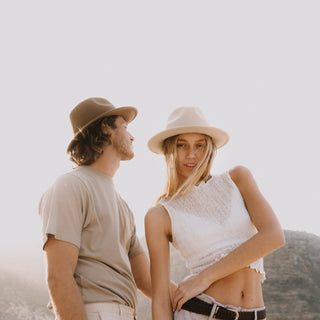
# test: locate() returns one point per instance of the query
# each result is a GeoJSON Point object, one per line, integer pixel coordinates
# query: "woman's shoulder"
{"type": "Point", "coordinates": [157, 209]}
{"type": "Point", "coordinates": [157, 212]}
{"type": "Point", "coordinates": [242, 177]}
{"type": "Point", "coordinates": [239, 173]}
{"type": "Point", "coordinates": [157, 218]}
{"type": "Point", "coordinates": [236, 174]}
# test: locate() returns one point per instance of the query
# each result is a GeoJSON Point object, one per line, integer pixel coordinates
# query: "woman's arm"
{"type": "Point", "coordinates": [158, 229]}
{"type": "Point", "coordinates": [268, 238]}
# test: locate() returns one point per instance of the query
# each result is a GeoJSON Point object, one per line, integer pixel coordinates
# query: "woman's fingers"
{"type": "Point", "coordinates": [180, 297]}
{"type": "Point", "coordinates": [181, 302]}
{"type": "Point", "coordinates": [186, 290]}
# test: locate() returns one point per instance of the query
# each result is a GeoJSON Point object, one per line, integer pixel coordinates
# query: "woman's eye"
{"type": "Point", "coordinates": [179, 145]}
{"type": "Point", "coordinates": [200, 145]}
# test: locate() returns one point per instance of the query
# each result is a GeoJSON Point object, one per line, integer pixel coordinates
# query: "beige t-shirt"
{"type": "Point", "coordinates": [82, 207]}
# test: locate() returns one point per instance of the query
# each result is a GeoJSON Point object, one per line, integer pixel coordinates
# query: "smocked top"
{"type": "Point", "coordinates": [210, 222]}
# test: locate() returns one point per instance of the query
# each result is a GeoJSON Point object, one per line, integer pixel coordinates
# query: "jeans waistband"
{"type": "Point", "coordinates": [117, 308]}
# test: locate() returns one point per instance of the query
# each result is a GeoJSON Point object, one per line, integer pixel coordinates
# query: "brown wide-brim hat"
{"type": "Point", "coordinates": [92, 109]}
{"type": "Point", "coordinates": [187, 120]}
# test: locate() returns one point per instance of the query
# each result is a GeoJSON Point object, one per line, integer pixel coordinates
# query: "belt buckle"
{"type": "Point", "coordinates": [235, 312]}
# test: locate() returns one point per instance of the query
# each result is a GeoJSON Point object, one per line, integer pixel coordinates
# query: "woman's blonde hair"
{"type": "Point", "coordinates": [201, 172]}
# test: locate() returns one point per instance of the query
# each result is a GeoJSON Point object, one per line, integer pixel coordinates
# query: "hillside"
{"type": "Point", "coordinates": [22, 299]}
{"type": "Point", "coordinates": [291, 291]}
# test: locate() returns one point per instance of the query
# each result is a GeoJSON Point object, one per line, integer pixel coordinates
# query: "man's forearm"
{"type": "Point", "coordinates": [140, 267]}
{"type": "Point", "coordinates": [66, 299]}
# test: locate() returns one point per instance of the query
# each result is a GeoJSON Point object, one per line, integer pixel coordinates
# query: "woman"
{"type": "Point", "coordinates": [220, 224]}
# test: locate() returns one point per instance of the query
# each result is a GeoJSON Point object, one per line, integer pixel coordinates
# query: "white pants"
{"type": "Point", "coordinates": [109, 311]}
{"type": "Point", "coordinates": [187, 315]}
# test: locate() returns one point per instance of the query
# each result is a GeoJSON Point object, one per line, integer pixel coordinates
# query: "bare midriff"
{"type": "Point", "coordinates": [241, 289]}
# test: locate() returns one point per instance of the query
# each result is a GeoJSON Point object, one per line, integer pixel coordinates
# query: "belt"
{"type": "Point", "coordinates": [201, 307]}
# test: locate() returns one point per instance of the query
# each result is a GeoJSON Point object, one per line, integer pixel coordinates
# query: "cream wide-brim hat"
{"type": "Point", "coordinates": [92, 109]}
{"type": "Point", "coordinates": [187, 120]}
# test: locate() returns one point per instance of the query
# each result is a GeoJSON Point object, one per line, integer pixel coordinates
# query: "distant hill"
{"type": "Point", "coordinates": [292, 288]}
{"type": "Point", "coordinates": [291, 291]}
{"type": "Point", "coordinates": [22, 299]}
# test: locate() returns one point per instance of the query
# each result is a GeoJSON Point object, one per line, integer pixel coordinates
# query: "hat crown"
{"type": "Point", "coordinates": [88, 110]}
{"type": "Point", "coordinates": [92, 109]}
{"type": "Point", "coordinates": [187, 117]}
{"type": "Point", "coordinates": [187, 120]}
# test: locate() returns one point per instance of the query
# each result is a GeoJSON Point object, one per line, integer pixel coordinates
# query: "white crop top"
{"type": "Point", "coordinates": [210, 222]}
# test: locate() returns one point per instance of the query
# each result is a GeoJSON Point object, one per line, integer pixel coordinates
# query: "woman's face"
{"type": "Point", "coordinates": [190, 150]}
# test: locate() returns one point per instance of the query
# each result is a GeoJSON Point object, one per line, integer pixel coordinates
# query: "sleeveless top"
{"type": "Point", "coordinates": [210, 222]}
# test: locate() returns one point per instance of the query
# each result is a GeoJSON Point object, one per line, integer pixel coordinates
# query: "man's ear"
{"type": "Point", "coordinates": [106, 129]}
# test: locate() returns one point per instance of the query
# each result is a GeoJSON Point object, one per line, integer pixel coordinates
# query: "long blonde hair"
{"type": "Point", "coordinates": [201, 172]}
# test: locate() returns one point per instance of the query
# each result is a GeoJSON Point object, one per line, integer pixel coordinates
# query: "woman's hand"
{"type": "Point", "coordinates": [188, 289]}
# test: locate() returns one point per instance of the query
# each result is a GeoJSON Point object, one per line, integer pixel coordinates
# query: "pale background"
{"type": "Point", "coordinates": [252, 66]}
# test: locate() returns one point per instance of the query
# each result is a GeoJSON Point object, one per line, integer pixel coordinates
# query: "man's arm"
{"type": "Point", "coordinates": [140, 267]}
{"type": "Point", "coordinates": [62, 259]}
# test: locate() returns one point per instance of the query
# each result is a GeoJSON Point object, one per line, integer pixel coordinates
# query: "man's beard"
{"type": "Point", "coordinates": [125, 152]}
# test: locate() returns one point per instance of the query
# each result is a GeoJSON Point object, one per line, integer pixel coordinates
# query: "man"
{"type": "Point", "coordinates": [94, 258]}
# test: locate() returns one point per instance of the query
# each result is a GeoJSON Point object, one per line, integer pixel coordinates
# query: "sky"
{"type": "Point", "coordinates": [253, 68]}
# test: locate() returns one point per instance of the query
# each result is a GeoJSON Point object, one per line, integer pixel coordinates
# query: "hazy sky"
{"type": "Point", "coordinates": [253, 67]}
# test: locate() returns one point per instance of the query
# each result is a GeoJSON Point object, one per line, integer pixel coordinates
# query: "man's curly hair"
{"type": "Point", "coordinates": [88, 145]}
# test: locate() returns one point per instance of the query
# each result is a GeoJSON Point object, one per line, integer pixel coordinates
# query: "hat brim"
{"type": "Point", "coordinates": [128, 114]}
{"type": "Point", "coordinates": [219, 136]}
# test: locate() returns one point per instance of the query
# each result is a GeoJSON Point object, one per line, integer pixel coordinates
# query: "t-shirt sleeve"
{"type": "Point", "coordinates": [135, 245]}
{"type": "Point", "coordinates": [62, 210]}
